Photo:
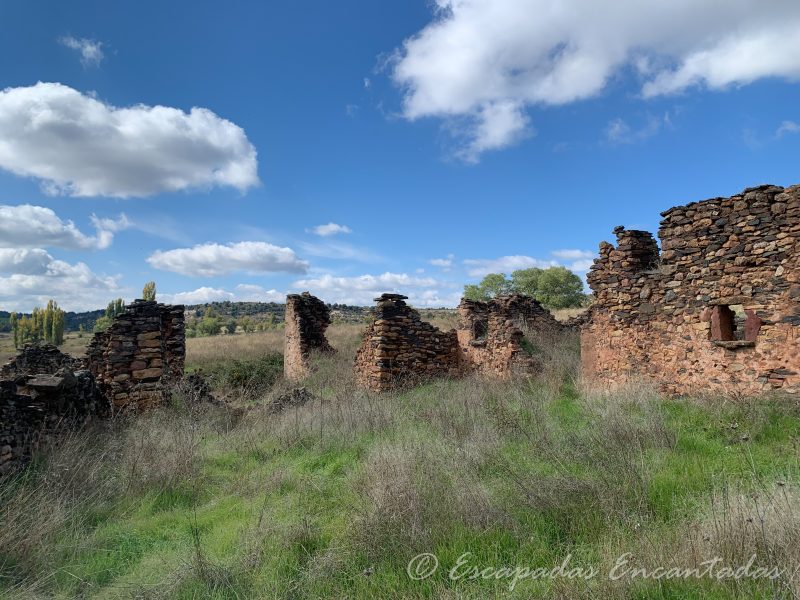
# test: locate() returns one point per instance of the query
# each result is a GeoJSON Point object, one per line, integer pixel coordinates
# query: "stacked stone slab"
{"type": "Point", "coordinates": [490, 334]}
{"type": "Point", "coordinates": [398, 348]}
{"type": "Point", "coordinates": [669, 319]}
{"type": "Point", "coordinates": [42, 393]}
{"type": "Point", "coordinates": [140, 355]}
{"type": "Point", "coordinates": [307, 318]}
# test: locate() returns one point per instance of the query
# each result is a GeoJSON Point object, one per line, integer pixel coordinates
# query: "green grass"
{"type": "Point", "coordinates": [333, 499]}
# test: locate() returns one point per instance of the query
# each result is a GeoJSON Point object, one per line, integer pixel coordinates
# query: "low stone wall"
{"type": "Point", "coordinates": [490, 334]}
{"type": "Point", "coordinates": [717, 311]}
{"type": "Point", "coordinates": [307, 318]}
{"type": "Point", "coordinates": [399, 347]}
{"type": "Point", "coordinates": [43, 392]}
{"type": "Point", "coordinates": [140, 355]}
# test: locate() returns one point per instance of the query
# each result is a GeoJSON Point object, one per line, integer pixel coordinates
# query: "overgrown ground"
{"type": "Point", "coordinates": [332, 499]}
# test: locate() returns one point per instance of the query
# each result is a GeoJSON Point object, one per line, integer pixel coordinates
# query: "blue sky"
{"type": "Point", "coordinates": [203, 145]}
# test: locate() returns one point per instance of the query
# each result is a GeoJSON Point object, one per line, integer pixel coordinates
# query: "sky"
{"type": "Point", "coordinates": [246, 150]}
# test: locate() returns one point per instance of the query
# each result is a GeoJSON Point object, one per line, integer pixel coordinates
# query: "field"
{"type": "Point", "coordinates": [336, 497]}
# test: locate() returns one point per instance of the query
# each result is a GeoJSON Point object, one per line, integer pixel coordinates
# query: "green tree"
{"type": "Point", "coordinates": [560, 288]}
{"type": "Point", "coordinates": [492, 285]}
{"type": "Point", "coordinates": [114, 308]}
{"type": "Point", "coordinates": [42, 326]}
{"type": "Point", "coordinates": [230, 326]}
{"type": "Point", "coordinates": [149, 291]}
{"type": "Point", "coordinates": [554, 287]}
{"type": "Point", "coordinates": [526, 281]}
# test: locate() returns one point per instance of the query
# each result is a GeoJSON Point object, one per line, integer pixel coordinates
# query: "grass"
{"type": "Point", "coordinates": [332, 499]}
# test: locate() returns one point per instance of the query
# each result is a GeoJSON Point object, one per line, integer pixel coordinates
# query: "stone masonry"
{"type": "Point", "coordinates": [717, 310]}
{"type": "Point", "coordinates": [42, 392]}
{"type": "Point", "coordinates": [307, 318]}
{"type": "Point", "coordinates": [137, 358]}
{"type": "Point", "coordinates": [490, 334]}
{"type": "Point", "coordinates": [399, 347]}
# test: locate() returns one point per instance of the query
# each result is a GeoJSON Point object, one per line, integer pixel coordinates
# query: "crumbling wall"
{"type": "Point", "coordinates": [399, 347]}
{"type": "Point", "coordinates": [140, 355]}
{"type": "Point", "coordinates": [718, 310]}
{"type": "Point", "coordinates": [490, 334]}
{"type": "Point", "coordinates": [42, 393]}
{"type": "Point", "coordinates": [307, 318]}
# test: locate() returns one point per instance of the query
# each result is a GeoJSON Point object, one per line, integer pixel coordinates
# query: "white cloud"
{"type": "Point", "coordinates": [91, 51]}
{"type": "Point", "coordinates": [329, 229]}
{"type": "Point", "coordinates": [79, 146]}
{"type": "Point", "coordinates": [478, 267]}
{"type": "Point", "coordinates": [443, 263]}
{"type": "Point", "coordinates": [28, 226]}
{"type": "Point", "coordinates": [619, 132]}
{"type": "Point", "coordinates": [210, 260]}
{"type": "Point", "coordinates": [244, 292]}
{"type": "Point", "coordinates": [248, 292]}
{"type": "Point", "coordinates": [572, 254]}
{"type": "Point", "coordinates": [30, 277]}
{"type": "Point", "coordinates": [483, 63]}
{"type": "Point", "coordinates": [361, 290]}
{"type": "Point", "coordinates": [787, 127]}
{"type": "Point", "coordinates": [199, 296]}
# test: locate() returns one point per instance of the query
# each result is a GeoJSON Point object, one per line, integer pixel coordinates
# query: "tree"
{"type": "Point", "coordinates": [149, 291]}
{"type": "Point", "coordinates": [230, 326]}
{"type": "Point", "coordinates": [42, 326]}
{"type": "Point", "coordinates": [494, 284]}
{"type": "Point", "coordinates": [560, 288]}
{"type": "Point", "coordinates": [114, 308]}
{"type": "Point", "coordinates": [526, 281]}
{"type": "Point", "coordinates": [554, 287]}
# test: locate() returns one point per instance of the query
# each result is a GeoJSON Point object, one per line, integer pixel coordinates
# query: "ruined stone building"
{"type": "Point", "coordinates": [718, 309]}
{"type": "Point", "coordinates": [130, 366]}
{"type": "Point", "coordinates": [490, 334]}
{"type": "Point", "coordinates": [306, 318]}
{"type": "Point", "coordinates": [139, 355]}
{"type": "Point", "coordinates": [398, 347]}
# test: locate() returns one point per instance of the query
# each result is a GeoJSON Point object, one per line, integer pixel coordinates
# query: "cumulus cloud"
{"type": "Point", "coordinates": [248, 292]}
{"type": "Point", "coordinates": [211, 260]}
{"type": "Point", "coordinates": [443, 263]}
{"type": "Point", "coordinates": [478, 267]}
{"type": "Point", "coordinates": [77, 145]}
{"type": "Point", "coordinates": [30, 277]}
{"type": "Point", "coordinates": [330, 229]}
{"type": "Point", "coordinates": [572, 254]}
{"type": "Point", "coordinates": [244, 292]}
{"type": "Point", "coordinates": [786, 128]}
{"type": "Point", "coordinates": [360, 290]}
{"type": "Point", "coordinates": [482, 63]}
{"type": "Point", "coordinates": [91, 51]}
{"type": "Point", "coordinates": [28, 226]}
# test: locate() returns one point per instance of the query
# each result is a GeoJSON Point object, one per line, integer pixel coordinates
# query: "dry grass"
{"type": "Point", "coordinates": [565, 314]}
{"type": "Point", "coordinates": [332, 498]}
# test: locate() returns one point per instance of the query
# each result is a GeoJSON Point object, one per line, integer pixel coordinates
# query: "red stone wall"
{"type": "Point", "coordinates": [490, 334]}
{"type": "Point", "coordinates": [137, 358]}
{"type": "Point", "coordinates": [398, 347]}
{"type": "Point", "coordinates": [307, 318]}
{"type": "Point", "coordinates": [668, 319]}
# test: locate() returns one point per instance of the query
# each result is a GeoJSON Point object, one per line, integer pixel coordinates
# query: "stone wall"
{"type": "Point", "coordinates": [42, 393]}
{"type": "Point", "coordinates": [140, 355]}
{"type": "Point", "coordinates": [718, 310]}
{"type": "Point", "coordinates": [398, 347]}
{"type": "Point", "coordinates": [490, 334]}
{"type": "Point", "coordinates": [307, 318]}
